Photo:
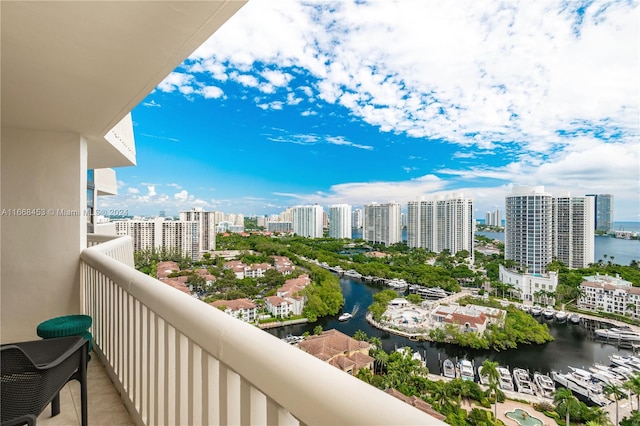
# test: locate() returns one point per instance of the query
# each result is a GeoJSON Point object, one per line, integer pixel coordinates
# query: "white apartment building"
{"type": "Point", "coordinates": [206, 227]}
{"type": "Point", "coordinates": [382, 223]}
{"type": "Point", "coordinates": [443, 223]}
{"type": "Point", "coordinates": [540, 226]}
{"type": "Point", "coordinates": [356, 218]}
{"type": "Point", "coordinates": [307, 221]}
{"type": "Point", "coordinates": [528, 228]}
{"type": "Point", "coordinates": [279, 226]}
{"type": "Point", "coordinates": [242, 309]}
{"type": "Point", "coordinates": [530, 287]}
{"type": "Point", "coordinates": [340, 221]}
{"type": "Point", "coordinates": [573, 230]}
{"type": "Point", "coordinates": [610, 294]}
{"type": "Point", "coordinates": [159, 234]}
{"type": "Point", "coordinates": [493, 218]}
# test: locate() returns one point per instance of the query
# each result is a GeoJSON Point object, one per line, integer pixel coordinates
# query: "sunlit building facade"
{"type": "Point", "coordinates": [340, 221]}
{"type": "Point", "coordinates": [382, 223]}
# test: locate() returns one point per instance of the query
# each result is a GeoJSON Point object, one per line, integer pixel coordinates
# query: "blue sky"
{"type": "Point", "coordinates": [296, 102]}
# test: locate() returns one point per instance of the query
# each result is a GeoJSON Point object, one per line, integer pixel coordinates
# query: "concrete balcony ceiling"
{"type": "Point", "coordinates": [82, 66]}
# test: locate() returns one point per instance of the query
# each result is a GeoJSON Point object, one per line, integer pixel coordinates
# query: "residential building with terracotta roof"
{"type": "Point", "coordinates": [610, 294]}
{"type": "Point", "coordinates": [242, 309]}
{"type": "Point", "coordinates": [247, 271]}
{"type": "Point", "coordinates": [339, 350]}
{"type": "Point", "coordinates": [278, 306]}
{"type": "Point", "coordinates": [283, 264]}
{"type": "Point", "coordinates": [420, 404]}
{"type": "Point", "coordinates": [466, 318]}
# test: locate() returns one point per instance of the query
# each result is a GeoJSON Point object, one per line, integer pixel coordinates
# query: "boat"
{"type": "Point", "coordinates": [548, 312]}
{"type": "Point", "coordinates": [448, 369]}
{"type": "Point", "coordinates": [581, 382]}
{"type": "Point", "coordinates": [610, 371]}
{"type": "Point", "coordinates": [629, 362]}
{"type": "Point", "coordinates": [604, 375]}
{"type": "Point", "coordinates": [428, 292]}
{"type": "Point", "coordinates": [623, 334]}
{"type": "Point", "coordinates": [522, 381]}
{"type": "Point", "coordinates": [353, 274]}
{"type": "Point", "coordinates": [345, 316]}
{"type": "Point", "coordinates": [561, 316]}
{"type": "Point", "coordinates": [574, 319]}
{"type": "Point", "coordinates": [536, 310]}
{"type": "Point", "coordinates": [291, 339]}
{"type": "Point", "coordinates": [397, 283]}
{"type": "Point", "coordinates": [484, 379]}
{"type": "Point", "coordinates": [506, 382]}
{"type": "Point", "coordinates": [545, 385]}
{"type": "Point", "coordinates": [466, 370]}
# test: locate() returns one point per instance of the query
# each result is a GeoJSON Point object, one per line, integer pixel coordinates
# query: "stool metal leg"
{"type": "Point", "coordinates": [55, 405]}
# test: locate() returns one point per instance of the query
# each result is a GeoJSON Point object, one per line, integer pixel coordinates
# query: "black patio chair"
{"type": "Point", "coordinates": [33, 373]}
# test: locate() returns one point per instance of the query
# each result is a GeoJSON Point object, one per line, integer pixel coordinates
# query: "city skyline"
{"type": "Point", "coordinates": [337, 103]}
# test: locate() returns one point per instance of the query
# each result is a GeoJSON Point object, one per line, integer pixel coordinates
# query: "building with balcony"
{"type": "Point", "coordinates": [308, 221]}
{"type": "Point", "coordinates": [206, 227]}
{"type": "Point", "coordinates": [71, 73]}
{"type": "Point", "coordinates": [242, 309]}
{"type": "Point", "coordinates": [443, 223]}
{"type": "Point", "coordinates": [382, 223]}
{"type": "Point", "coordinates": [161, 234]}
{"type": "Point", "coordinates": [530, 287]}
{"type": "Point", "coordinates": [493, 218]}
{"type": "Point", "coordinates": [540, 226]}
{"type": "Point", "coordinates": [610, 294]}
{"type": "Point", "coordinates": [340, 221]}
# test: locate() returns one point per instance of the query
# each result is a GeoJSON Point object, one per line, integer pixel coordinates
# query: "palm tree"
{"type": "Point", "coordinates": [634, 386]}
{"type": "Point", "coordinates": [616, 391]}
{"type": "Point", "coordinates": [564, 397]}
{"type": "Point", "coordinates": [598, 417]}
{"type": "Point", "coordinates": [490, 369]}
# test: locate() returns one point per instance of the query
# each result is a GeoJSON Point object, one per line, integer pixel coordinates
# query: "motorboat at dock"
{"type": "Point", "coordinates": [397, 283]}
{"type": "Point", "coordinates": [581, 382]}
{"type": "Point", "coordinates": [466, 370]}
{"type": "Point", "coordinates": [623, 334]}
{"type": "Point", "coordinates": [522, 381]}
{"type": "Point", "coordinates": [630, 362]}
{"type": "Point", "coordinates": [428, 292]}
{"type": "Point", "coordinates": [574, 318]}
{"type": "Point", "coordinates": [536, 310]}
{"type": "Point", "coordinates": [545, 385]}
{"type": "Point", "coordinates": [548, 312]}
{"type": "Point", "coordinates": [448, 369]}
{"type": "Point", "coordinates": [506, 382]}
{"type": "Point", "coordinates": [561, 316]}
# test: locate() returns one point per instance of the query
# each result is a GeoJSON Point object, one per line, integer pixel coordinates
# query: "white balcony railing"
{"type": "Point", "coordinates": [177, 360]}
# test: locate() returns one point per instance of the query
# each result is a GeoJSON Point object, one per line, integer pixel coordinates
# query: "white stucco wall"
{"type": "Point", "coordinates": [40, 251]}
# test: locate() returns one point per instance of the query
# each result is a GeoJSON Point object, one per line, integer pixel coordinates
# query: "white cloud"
{"type": "Point", "coordinates": [211, 92]}
{"type": "Point", "coordinates": [151, 103]}
{"type": "Point", "coordinates": [151, 190]}
{"type": "Point", "coordinates": [176, 80]}
{"type": "Point", "coordinates": [339, 140]}
{"type": "Point", "coordinates": [133, 191]}
{"type": "Point", "coordinates": [181, 196]}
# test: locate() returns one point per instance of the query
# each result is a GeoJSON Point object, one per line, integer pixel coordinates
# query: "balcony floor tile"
{"type": "Point", "coordinates": [105, 405]}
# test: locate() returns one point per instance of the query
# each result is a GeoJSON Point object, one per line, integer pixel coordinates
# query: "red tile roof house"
{"type": "Point", "coordinates": [465, 318]}
{"type": "Point", "coordinates": [292, 291]}
{"type": "Point", "coordinates": [167, 267]}
{"type": "Point", "coordinates": [278, 306]}
{"type": "Point", "coordinates": [283, 264]}
{"type": "Point", "coordinates": [339, 350]}
{"type": "Point", "coordinates": [237, 267]}
{"type": "Point", "coordinates": [416, 402]}
{"type": "Point", "coordinates": [257, 270]}
{"type": "Point", "coordinates": [242, 309]}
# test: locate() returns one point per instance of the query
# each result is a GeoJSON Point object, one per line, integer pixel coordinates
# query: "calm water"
{"type": "Point", "coordinates": [572, 346]}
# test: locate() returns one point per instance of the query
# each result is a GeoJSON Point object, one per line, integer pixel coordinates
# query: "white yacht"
{"type": "Point", "coordinates": [581, 382]}
{"type": "Point", "coordinates": [574, 318]}
{"type": "Point", "coordinates": [345, 316]}
{"type": "Point", "coordinates": [623, 334]}
{"type": "Point", "coordinates": [536, 310]}
{"type": "Point", "coordinates": [548, 312]}
{"type": "Point", "coordinates": [353, 273]}
{"type": "Point", "coordinates": [484, 379]}
{"type": "Point", "coordinates": [523, 382]}
{"type": "Point", "coordinates": [506, 382]}
{"type": "Point", "coordinates": [397, 283]}
{"type": "Point", "coordinates": [561, 316]}
{"type": "Point", "coordinates": [605, 375]}
{"type": "Point", "coordinates": [545, 385]}
{"type": "Point", "coordinates": [466, 370]}
{"type": "Point", "coordinates": [449, 369]}
{"type": "Point", "coordinates": [630, 362]}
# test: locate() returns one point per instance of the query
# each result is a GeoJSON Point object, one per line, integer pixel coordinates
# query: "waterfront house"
{"type": "Point", "coordinates": [292, 291]}
{"type": "Point", "coordinates": [278, 306]}
{"type": "Point", "coordinates": [609, 294]}
{"type": "Point", "coordinates": [339, 350]}
{"type": "Point", "coordinates": [71, 73]}
{"type": "Point", "coordinates": [242, 309]}
{"type": "Point", "coordinates": [467, 319]}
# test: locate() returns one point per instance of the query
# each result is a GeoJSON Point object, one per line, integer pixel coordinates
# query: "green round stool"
{"type": "Point", "coordinates": [67, 325]}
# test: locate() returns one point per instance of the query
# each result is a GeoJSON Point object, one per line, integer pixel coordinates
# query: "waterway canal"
{"type": "Point", "coordinates": [574, 345]}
